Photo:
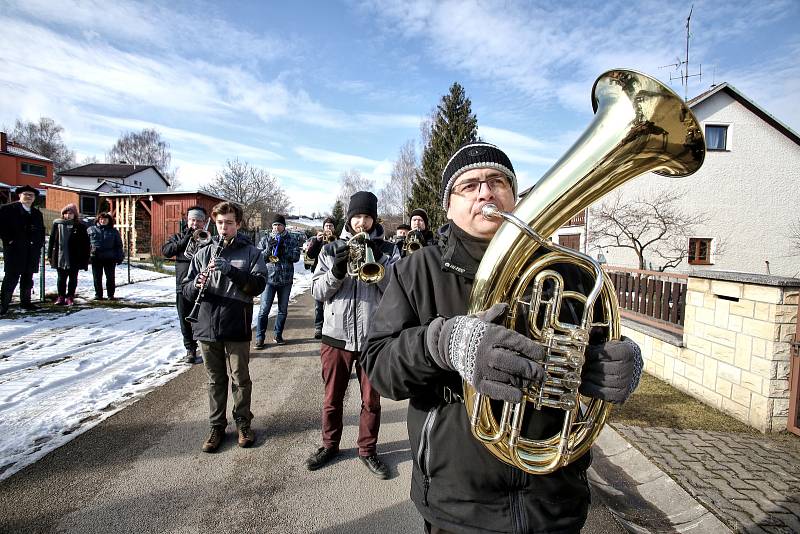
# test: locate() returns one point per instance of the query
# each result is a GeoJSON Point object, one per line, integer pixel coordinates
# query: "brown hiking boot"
{"type": "Point", "coordinates": [214, 439]}
{"type": "Point", "coordinates": [246, 436]}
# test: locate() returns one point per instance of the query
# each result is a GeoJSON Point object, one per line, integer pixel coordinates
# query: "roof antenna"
{"type": "Point", "coordinates": [683, 65]}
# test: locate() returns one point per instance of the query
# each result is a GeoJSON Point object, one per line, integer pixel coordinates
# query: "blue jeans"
{"type": "Point", "coordinates": [266, 304]}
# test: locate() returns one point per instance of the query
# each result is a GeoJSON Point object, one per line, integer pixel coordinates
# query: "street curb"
{"type": "Point", "coordinates": [640, 495]}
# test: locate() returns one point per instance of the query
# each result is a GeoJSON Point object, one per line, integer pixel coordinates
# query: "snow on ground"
{"type": "Point", "coordinates": [63, 373]}
{"type": "Point", "coordinates": [85, 281]}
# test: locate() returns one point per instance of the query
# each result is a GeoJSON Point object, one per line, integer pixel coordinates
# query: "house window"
{"type": "Point", "coordinates": [716, 137]}
{"type": "Point", "coordinates": [699, 251]}
{"type": "Point", "coordinates": [37, 170]}
{"type": "Point", "coordinates": [88, 205]}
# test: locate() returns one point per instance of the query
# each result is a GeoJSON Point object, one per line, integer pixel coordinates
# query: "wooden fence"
{"type": "Point", "coordinates": [651, 297]}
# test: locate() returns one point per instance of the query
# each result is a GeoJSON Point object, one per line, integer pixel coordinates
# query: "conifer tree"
{"type": "Point", "coordinates": [452, 125]}
{"type": "Point", "coordinates": [338, 217]}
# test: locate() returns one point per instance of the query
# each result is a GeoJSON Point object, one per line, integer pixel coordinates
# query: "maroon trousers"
{"type": "Point", "coordinates": [337, 364]}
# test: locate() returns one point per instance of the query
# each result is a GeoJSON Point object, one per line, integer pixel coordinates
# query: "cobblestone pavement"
{"type": "Point", "coordinates": [751, 482]}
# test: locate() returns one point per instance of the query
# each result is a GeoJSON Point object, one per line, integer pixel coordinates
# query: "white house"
{"type": "Point", "coordinates": [115, 178]}
{"type": "Point", "coordinates": [747, 189]}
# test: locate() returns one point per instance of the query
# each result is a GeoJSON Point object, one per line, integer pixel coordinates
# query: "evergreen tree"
{"type": "Point", "coordinates": [451, 126]}
{"type": "Point", "coordinates": [338, 217]}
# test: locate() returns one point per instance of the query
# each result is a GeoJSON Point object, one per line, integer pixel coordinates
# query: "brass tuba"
{"type": "Point", "coordinates": [640, 126]}
{"type": "Point", "coordinates": [361, 263]}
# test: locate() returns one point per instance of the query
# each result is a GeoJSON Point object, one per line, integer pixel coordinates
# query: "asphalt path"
{"type": "Point", "coordinates": [142, 470]}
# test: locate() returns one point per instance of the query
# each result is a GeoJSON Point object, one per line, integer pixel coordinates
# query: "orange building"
{"type": "Point", "coordinates": [20, 166]}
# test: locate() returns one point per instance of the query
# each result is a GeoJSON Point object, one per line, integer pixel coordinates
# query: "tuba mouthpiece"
{"type": "Point", "coordinates": [490, 211]}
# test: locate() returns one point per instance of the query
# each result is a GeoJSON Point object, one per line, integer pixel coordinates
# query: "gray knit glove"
{"type": "Point", "coordinates": [496, 361]}
{"type": "Point", "coordinates": [612, 370]}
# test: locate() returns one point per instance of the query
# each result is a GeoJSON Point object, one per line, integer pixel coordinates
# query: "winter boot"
{"type": "Point", "coordinates": [60, 301]}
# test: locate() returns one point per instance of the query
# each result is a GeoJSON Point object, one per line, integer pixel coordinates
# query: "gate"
{"type": "Point", "coordinates": [794, 381]}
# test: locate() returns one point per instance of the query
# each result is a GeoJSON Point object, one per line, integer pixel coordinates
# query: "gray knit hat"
{"type": "Point", "coordinates": [475, 155]}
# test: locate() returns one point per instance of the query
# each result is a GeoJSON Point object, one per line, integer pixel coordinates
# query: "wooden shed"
{"type": "Point", "coordinates": [149, 219]}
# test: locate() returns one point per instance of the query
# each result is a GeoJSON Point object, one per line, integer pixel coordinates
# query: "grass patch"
{"type": "Point", "coordinates": [657, 404]}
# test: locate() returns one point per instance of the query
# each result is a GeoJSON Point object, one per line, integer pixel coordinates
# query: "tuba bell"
{"type": "Point", "coordinates": [361, 263]}
{"type": "Point", "coordinates": [640, 126]}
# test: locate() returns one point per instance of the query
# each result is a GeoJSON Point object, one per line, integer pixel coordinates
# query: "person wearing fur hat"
{"type": "Point", "coordinates": [349, 306]}
{"type": "Point", "coordinates": [68, 252]}
{"type": "Point", "coordinates": [281, 250]}
{"type": "Point", "coordinates": [315, 245]}
{"type": "Point", "coordinates": [423, 346]}
{"type": "Point", "coordinates": [22, 233]}
{"type": "Point", "coordinates": [105, 254]}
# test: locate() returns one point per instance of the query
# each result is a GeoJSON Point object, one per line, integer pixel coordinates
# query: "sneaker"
{"type": "Point", "coordinates": [317, 334]}
{"type": "Point", "coordinates": [246, 436]}
{"type": "Point", "coordinates": [60, 301]}
{"type": "Point", "coordinates": [320, 457]}
{"type": "Point", "coordinates": [376, 466]}
{"type": "Point", "coordinates": [279, 340]}
{"type": "Point", "coordinates": [70, 301]}
{"type": "Point", "coordinates": [214, 439]}
{"type": "Point", "coordinates": [259, 344]}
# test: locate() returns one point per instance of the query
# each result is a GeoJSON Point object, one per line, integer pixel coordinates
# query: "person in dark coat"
{"type": "Point", "coordinates": [22, 232]}
{"type": "Point", "coordinates": [281, 250]}
{"type": "Point", "coordinates": [68, 252]}
{"type": "Point", "coordinates": [180, 246]}
{"type": "Point", "coordinates": [418, 220]}
{"type": "Point", "coordinates": [315, 245]}
{"type": "Point", "coordinates": [422, 346]}
{"type": "Point", "coordinates": [106, 253]}
{"type": "Point", "coordinates": [400, 238]}
{"type": "Point", "coordinates": [230, 272]}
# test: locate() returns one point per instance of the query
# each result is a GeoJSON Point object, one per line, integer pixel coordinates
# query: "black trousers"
{"type": "Point", "coordinates": [184, 306]}
{"type": "Point", "coordinates": [13, 277]}
{"type": "Point", "coordinates": [99, 267]}
{"type": "Point", "coordinates": [66, 282]}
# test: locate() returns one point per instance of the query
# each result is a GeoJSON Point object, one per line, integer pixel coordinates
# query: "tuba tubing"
{"type": "Point", "coordinates": [640, 126]}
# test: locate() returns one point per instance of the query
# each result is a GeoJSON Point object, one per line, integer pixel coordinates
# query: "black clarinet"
{"type": "Point", "coordinates": [193, 315]}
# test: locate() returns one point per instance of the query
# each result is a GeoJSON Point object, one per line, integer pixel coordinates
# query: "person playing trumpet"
{"type": "Point", "coordinates": [315, 244]}
{"type": "Point", "coordinates": [223, 331]}
{"type": "Point", "coordinates": [175, 247]}
{"type": "Point", "coordinates": [281, 250]}
{"type": "Point", "coordinates": [423, 345]}
{"type": "Point", "coordinates": [349, 305]}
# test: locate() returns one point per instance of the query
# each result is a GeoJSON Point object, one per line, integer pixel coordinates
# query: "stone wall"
{"type": "Point", "coordinates": [735, 350]}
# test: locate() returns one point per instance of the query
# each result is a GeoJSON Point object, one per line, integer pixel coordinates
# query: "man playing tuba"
{"type": "Point", "coordinates": [422, 345]}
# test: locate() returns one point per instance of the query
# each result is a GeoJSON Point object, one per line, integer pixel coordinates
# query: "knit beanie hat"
{"type": "Point", "coordinates": [279, 219]}
{"type": "Point", "coordinates": [70, 207]}
{"type": "Point", "coordinates": [328, 220]}
{"type": "Point", "coordinates": [422, 213]}
{"type": "Point", "coordinates": [363, 202]}
{"type": "Point", "coordinates": [475, 155]}
{"type": "Point", "coordinates": [403, 226]}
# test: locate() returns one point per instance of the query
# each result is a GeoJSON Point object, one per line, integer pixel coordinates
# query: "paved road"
{"type": "Point", "coordinates": [142, 471]}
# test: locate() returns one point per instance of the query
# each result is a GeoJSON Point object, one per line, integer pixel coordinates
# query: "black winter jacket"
{"type": "Point", "coordinates": [78, 245]}
{"type": "Point", "coordinates": [22, 233]}
{"type": "Point", "coordinates": [456, 483]}
{"type": "Point", "coordinates": [106, 243]}
{"type": "Point", "coordinates": [226, 310]}
{"type": "Point", "coordinates": [176, 247]}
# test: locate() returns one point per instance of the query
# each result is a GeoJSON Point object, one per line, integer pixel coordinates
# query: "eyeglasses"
{"type": "Point", "coordinates": [470, 187]}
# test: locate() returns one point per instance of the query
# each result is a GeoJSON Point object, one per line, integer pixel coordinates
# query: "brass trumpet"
{"type": "Point", "coordinates": [413, 242]}
{"type": "Point", "coordinates": [273, 257]}
{"type": "Point", "coordinates": [361, 264]}
{"type": "Point", "coordinates": [329, 237]}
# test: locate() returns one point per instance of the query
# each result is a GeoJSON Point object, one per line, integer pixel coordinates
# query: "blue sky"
{"type": "Point", "coordinates": [309, 89]}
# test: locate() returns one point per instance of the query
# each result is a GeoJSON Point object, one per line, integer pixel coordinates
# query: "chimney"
{"type": "Point", "coordinates": [3, 142]}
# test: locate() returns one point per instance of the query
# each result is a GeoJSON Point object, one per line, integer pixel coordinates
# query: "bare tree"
{"type": "Point", "coordinates": [394, 196]}
{"type": "Point", "coordinates": [352, 181]}
{"type": "Point", "coordinates": [794, 237]}
{"type": "Point", "coordinates": [256, 190]}
{"type": "Point", "coordinates": [144, 148]}
{"type": "Point", "coordinates": [655, 226]}
{"type": "Point", "coordinates": [44, 138]}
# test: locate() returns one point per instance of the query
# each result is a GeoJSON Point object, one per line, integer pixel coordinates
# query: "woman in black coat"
{"type": "Point", "coordinates": [68, 252]}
